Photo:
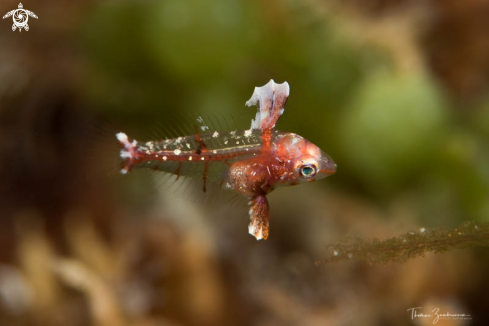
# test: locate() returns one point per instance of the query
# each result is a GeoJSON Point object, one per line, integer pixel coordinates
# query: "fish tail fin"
{"type": "Point", "coordinates": [128, 151]}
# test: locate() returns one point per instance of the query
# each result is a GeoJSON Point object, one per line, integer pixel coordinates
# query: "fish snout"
{"type": "Point", "coordinates": [327, 166]}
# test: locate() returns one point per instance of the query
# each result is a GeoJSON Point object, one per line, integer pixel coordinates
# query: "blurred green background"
{"type": "Point", "coordinates": [396, 91]}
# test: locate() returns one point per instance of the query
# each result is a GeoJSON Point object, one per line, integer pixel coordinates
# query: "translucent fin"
{"type": "Point", "coordinates": [185, 124]}
{"type": "Point", "coordinates": [190, 189]}
{"type": "Point", "coordinates": [259, 214]}
{"type": "Point", "coordinates": [271, 99]}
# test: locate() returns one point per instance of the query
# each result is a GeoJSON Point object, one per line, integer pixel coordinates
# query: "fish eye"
{"type": "Point", "coordinates": [308, 171]}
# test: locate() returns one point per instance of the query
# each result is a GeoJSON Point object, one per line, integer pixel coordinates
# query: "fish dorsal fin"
{"type": "Point", "coordinates": [271, 100]}
{"type": "Point", "coordinates": [185, 124]}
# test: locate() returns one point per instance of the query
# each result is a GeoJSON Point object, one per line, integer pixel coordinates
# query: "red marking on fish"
{"type": "Point", "coordinates": [251, 162]}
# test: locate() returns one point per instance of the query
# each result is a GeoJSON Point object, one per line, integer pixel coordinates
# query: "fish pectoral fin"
{"type": "Point", "coordinates": [259, 214]}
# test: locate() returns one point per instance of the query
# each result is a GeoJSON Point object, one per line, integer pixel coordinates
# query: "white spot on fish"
{"type": "Point", "coordinates": [122, 137]}
{"type": "Point", "coordinates": [232, 133]}
{"type": "Point", "coordinates": [226, 142]}
{"type": "Point", "coordinates": [214, 151]}
{"type": "Point", "coordinates": [177, 151]}
{"type": "Point", "coordinates": [248, 133]}
{"type": "Point", "coordinates": [125, 154]}
{"type": "Point", "coordinates": [165, 158]}
{"type": "Point", "coordinates": [215, 134]}
{"type": "Point", "coordinates": [202, 158]}
{"type": "Point", "coordinates": [190, 158]}
{"type": "Point", "coordinates": [252, 231]}
{"type": "Point", "coordinates": [295, 140]}
{"type": "Point", "coordinates": [237, 143]}
{"type": "Point", "coordinates": [178, 140]}
{"type": "Point", "coordinates": [188, 145]}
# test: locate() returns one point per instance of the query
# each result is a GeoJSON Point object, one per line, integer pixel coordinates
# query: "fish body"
{"type": "Point", "coordinates": [251, 162]}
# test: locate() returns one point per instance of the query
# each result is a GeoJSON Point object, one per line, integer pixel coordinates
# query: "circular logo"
{"type": "Point", "coordinates": [20, 18]}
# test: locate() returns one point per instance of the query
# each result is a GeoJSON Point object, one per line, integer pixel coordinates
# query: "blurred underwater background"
{"type": "Point", "coordinates": [395, 91]}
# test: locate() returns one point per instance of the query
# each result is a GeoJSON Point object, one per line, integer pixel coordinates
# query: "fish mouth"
{"type": "Point", "coordinates": [329, 169]}
{"type": "Point", "coordinates": [327, 166]}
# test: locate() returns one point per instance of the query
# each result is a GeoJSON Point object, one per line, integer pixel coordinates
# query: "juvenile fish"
{"type": "Point", "coordinates": [251, 162]}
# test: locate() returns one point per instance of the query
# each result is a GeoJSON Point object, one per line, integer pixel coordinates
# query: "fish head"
{"type": "Point", "coordinates": [306, 162]}
{"type": "Point", "coordinates": [313, 165]}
